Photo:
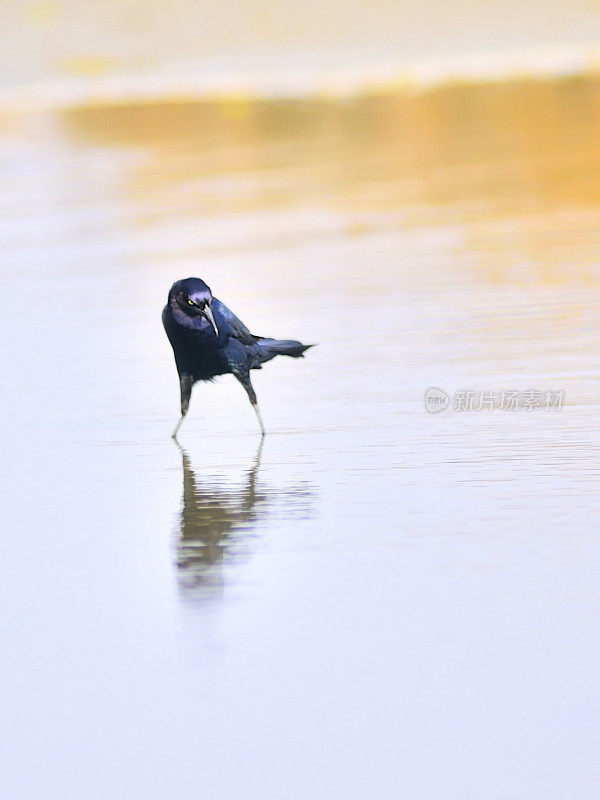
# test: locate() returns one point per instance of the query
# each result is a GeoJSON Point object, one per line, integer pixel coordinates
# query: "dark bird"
{"type": "Point", "coordinates": [209, 340]}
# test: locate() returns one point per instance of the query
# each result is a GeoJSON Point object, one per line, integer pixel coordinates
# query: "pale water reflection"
{"type": "Point", "coordinates": [220, 522]}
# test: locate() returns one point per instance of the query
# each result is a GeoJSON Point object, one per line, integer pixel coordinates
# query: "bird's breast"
{"type": "Point", "coordinates": [201, 355]}
{"type": "Point", "coordinates": [196, 348]}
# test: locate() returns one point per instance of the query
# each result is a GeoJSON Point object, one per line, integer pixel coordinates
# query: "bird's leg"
{"type": "Point", "coordinates": [185, 384]}
{"type": "Point", "coordinates": [259, 418]}
{"type": "Point", "coordinates": [244, 379]}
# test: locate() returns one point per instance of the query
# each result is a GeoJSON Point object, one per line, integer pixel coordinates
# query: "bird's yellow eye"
{"type": "Point", "coordinates": [191, 303]}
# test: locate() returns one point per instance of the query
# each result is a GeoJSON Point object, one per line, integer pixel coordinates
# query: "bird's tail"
{"type": "Point", "coordinates": [282, 347]}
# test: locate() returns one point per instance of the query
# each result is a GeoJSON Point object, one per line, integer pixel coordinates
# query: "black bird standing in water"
{"type": "Point", "coordinates": [209, 340]}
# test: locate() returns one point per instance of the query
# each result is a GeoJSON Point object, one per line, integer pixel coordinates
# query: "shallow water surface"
{"type": "Point", "coordinates": [375, 600]}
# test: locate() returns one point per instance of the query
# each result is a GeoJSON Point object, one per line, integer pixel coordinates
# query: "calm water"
{"type": "Point", "coordinates": [376, 601]}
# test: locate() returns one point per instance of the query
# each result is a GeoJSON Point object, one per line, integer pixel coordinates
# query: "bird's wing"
{"type": "Point", "coordinates": [233, 326]}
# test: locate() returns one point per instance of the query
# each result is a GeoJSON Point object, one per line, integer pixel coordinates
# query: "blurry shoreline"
{"type": "Point", "coordinates": [381, 158]}
{"type": "Point", "coordinates": [206, 85]}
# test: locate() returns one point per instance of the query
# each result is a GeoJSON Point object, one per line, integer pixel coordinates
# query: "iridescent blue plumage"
{"type": "Point", "coordinates": [209, 340]}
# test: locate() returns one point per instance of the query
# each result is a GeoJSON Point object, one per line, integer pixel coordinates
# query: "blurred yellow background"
{"type": "Point", "coordinates": [285, 46]}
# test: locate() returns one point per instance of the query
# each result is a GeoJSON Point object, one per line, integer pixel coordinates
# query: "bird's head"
{"type": "Point", "coordinates": [194, 298]}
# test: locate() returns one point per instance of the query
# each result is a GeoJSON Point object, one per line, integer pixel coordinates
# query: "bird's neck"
{"type": "Point", "coordinates": [196, 324]}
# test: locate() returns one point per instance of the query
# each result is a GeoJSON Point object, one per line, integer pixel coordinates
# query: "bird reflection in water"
{"type": "Point", "coordinates": [218, 525]}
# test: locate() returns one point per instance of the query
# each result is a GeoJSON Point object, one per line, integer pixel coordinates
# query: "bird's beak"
{"type": "Point", "coordinates": [207, 311]}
